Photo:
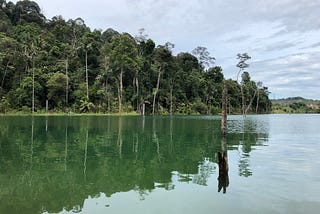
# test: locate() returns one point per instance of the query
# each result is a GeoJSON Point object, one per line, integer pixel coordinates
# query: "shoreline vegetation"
{"type": "Point", "coordinates": [293, 105]}
{"type": "Point", "coordinates": [58, 65]}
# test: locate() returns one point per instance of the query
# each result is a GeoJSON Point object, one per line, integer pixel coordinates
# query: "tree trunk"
{"type": "Point", "coordinates": [106, 84]}
{"type": "Point", "coordinates": [5, 73]}
{"type": "Point", "coordinates": [171, 100]}
{"type": "Point", "coordinates": [242, 100]}
{"type": "Point", "coordinates": [136, 87]}
{"type": "Point", "coordinates": [155, 93]}
{"type": "Point", "coordinates": [143, 108]}
{"type": "Point", "coordinates": [33, 86]}
{"type": "Point", "coordinates": [247, 109]}
{"type": "Point", "coordinates": [258, 97]}
{"type": "Point", "coordinates": [120, 87]}
{"type": "Point", "coordinates": [242, 94]}
{"type": "Point", "coordinates": [138, 100]}
{"type": "Point", "coordinates": [87, 82]}
{"type": "Point", "coordinates": [67, 83]}
{"type": "Point", "coordinates": [224, 111]}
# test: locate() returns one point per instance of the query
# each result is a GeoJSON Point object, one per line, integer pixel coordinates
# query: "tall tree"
{"type": "Point", "coordinates": [259, 87]}
{"type": "Point", "coordinates": [203, 56]}
{"type": "Point", "coordinates": [57, 89]}
{"type": "Point", "coordinates": [213, 87]}
{"type": "Point", "coordinates": [141, 40]}
{"type": "Point", "coordinates": [8, 50]}
{"type": "Point", "coordinates": [242, 65]}
{"type": "Point", "coordinates": [123, 56]}
{"type": "Point", "coordinates": [162, 59]}
{"type": "Point", "coordinates": [86, 41]}
{"type": "Point", "coordinates": [146, 52]}
{"type": "Point", "coordinates": [28, 11]}
{"type": "Point", "coordinates": [29, 36]}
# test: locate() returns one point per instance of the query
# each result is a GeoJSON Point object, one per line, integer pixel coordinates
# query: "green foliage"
{"type": "Point", "coordinates": [4, 105]}
{"type": "Point", "coordinates": [294, 106]}
{"type": "Point", "coordinates": [86, 106]}
{"type": "Point", "coordinates": [66, 57]}
{"type": "Point", "coordinates": [199, 107]}
{"type": "Point", "coordinates": [57, 89]}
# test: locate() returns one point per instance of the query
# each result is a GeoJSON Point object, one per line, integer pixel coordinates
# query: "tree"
{"type": "Point", "coordinates": [242, 65]}
{"type": "Point", "coordinates": [86, 41]}
{"type": "Point", "coordinates": [28, 88]}
{"type": "Point", "coordinates": [142, 41]}
{"type": "Point", "coordinates": [8, 49]}
{"type": "Point", "coordinates": [259, 87]}
{"type": "Point", "coordinates": [108, 35]}
{"type": "Point", "coordinates": [29, 36]}
{"type": "Point", "coordinates": [5, 22]}
{"type": "Point", "coordinates": [57, 88]}
{"type": "Point", "coordinates": [28, 11]}
{"type": "Point", "coordinates": [213, 86]}
{"type": "Point", "coordinates": [204, 56]}
{"type": "Point", "coordinates": [187, 64]}
{"type": "Point", "coordinates": [161, 60]}
{"type": "Point", "coordinates": [146, 52]}
{"type": "Point", "coordinates": [123, 56]}
{"type": "Point", "coordinates": [234, 97]}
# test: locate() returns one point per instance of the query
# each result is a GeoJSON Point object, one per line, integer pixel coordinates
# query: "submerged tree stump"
{"type": "Point", "coordinates": [223, 179]}
{"type": "Point", "coordinates": [224, 110]}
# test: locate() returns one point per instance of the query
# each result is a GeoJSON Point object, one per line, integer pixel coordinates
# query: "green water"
{"type": "Point", "coordinates": [159, 164]}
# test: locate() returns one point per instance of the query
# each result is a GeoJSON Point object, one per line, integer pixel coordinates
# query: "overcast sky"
{"type": "Point", "coordinates": [282, 36]}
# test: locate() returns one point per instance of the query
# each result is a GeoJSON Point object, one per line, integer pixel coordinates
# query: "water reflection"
{"type": "Point", "coordinates": [223, 179]}
{"type": "Point", "coordinates": [54, 163]}
{"type": "Point", "coordinates": [250, 133]}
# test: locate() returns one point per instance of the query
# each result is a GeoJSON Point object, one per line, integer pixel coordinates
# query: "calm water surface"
{"type": "Point", "coordinates": [268, 164]}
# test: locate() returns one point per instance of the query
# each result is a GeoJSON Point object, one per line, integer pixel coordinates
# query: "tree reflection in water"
{"type": "Point", "coordinates": [81, 157]}
{"type": "Point", "coordinates": [223, 178]}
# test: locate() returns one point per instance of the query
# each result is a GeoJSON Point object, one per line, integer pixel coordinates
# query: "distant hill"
{"type": "Point", "coordinates": [290, 100]}
{"type": "Point", "coordinates": [295, 105]}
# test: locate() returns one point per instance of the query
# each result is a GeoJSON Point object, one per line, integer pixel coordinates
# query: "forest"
{"type": "Point", "coordinates": [58, 65]}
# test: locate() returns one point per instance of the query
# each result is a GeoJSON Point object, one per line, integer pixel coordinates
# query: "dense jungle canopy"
{"type": "Point", "coordinates": [64, 66]}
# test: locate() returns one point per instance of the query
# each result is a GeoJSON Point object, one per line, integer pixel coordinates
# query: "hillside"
{"type": "Point", "coordinates": [295, 105]}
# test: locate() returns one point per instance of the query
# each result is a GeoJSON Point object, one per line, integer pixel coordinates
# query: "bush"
{"type": "Point", "coordinates": [25, 109]}
{"type": "Point", "coordinates": [215, 110]}
{"type": "Point", "coordinates": [200, 107]}
{"type": "Point", "coordinates": [184, 108]}
{"type": "Point", "coordinates": [4, 105]}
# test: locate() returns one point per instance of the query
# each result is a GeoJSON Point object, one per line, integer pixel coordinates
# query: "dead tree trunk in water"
{"type": "Point", "coordinates": [224, 111]}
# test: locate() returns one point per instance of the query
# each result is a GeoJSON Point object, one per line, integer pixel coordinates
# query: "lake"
{"type": "Point", "coordinates": [180, 164]}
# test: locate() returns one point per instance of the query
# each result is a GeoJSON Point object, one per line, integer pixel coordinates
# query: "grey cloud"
{"type": "Point", "coordinates": [280, 46]}
{"type": "Point", "coordinates": [314, 45]}
{"type": "Point", "coordinates": [240, 38]}
{"type": "Point", "coordinates": [292, 75]}
{"type": "Point", "coordinates": [293, 15]}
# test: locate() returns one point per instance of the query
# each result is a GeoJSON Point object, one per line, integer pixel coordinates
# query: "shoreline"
{"type": "Point", "coordinates": [136, 114]}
